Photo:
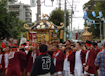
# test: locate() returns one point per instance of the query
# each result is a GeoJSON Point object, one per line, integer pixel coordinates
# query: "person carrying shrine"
{"type": "Point", "coordinates": [14, 62]}
{"type": "Point", "coordinates": [43, 64]}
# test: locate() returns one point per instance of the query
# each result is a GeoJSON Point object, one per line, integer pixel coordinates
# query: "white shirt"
{"type": "Point", "coordinates": [66, 65]}
{"type": "Point", "coordinates": [34, 56]}
{"type": "Point", "coordinates": [87, 54]}
{"type": "Point", "coordinates": [55, 58]}
{"type": "Point", "coordinates": [6, 60]}
{"type": "Point", "coordinates": [78, 63]}
{"type": "Point", "coordinates": [1, 57]}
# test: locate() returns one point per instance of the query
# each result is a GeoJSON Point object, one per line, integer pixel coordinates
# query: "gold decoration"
{"type": "Point", "coordinates": [45, 15]}
{"type": "Point", "coordinates": [38, 27]}
{"type": "Point", "coordinates": [86, 35]}
{"type": "Point", "coordinates": [43, 26]}
{"type": "Point", "coordinates": [25, 26]}
{"type": "Point", "coordinates": [46, 37]}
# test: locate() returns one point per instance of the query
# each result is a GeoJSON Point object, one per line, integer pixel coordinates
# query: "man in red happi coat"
{"type": "Point", "coordinates": [90, 67]}
{"type": "Point", "coordinates": [58, 57]}
{"type": "Point", "coordinates": [77, 60]}
{"type": "Point", "coordinates": [31, 58]}
{"type": "Point", "coordinates": [14, 62]}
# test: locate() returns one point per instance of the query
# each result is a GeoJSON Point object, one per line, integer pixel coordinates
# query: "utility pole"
{"type": "Point", "coordinates": [65, 22]}
{"type": "Point", "coordinates": [71, 15]}
{"type": "Point", "coordinates": [38, 11]}
{"type": "Point", "coordinates": [59, 4]}
{"type": "Point", "coordinates": [104, 29]}
{"type": "Point", "coordinates": [78, 32]}
{"type": "Point", "coordinates": [100, 31]}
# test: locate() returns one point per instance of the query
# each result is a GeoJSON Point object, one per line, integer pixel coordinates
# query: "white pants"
{"type": "Point", "coordinates": [55, 74]}
{"type": "Point", "coordinates": [88, 73]}
{"type": "Point", "coordinates": [47, 74]}
{"type": "Point", "coordinates": [66, 73]}
{"type": "Point", "coordinates": [78, 73]}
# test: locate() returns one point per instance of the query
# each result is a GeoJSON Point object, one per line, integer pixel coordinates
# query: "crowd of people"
{"type": "Point", "coordinates": [65, 59]}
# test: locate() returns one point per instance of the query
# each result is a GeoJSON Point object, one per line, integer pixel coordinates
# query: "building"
{"type": "Point", "coordinates": [25, 12]}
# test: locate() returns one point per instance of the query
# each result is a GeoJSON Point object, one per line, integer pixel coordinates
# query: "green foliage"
{"type": "Point", "coordinates": [96, 6]}
{"type": "Point", "coordinates": [57, 16]}
{"type": "Point", "coordinates": [10, 26]}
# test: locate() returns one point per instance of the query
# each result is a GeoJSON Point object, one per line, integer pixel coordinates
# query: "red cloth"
{"type": "Point", "coordinates": [4, 58]}
{"type": "Point", "coordinates": [3, 45]}
{"type": "Point", "coordinates": [88, 44]}
{"type": "Point", "coordinates": [71, 58]}
{"type": "Point", "coordinates": [42, 53]}
{"type": "Point", "coordinates": [101, 50]}
{"type": "Point", "coordinates": [59, 61]}
{"type": "Point", "coordinates": [14, 49]}
{"type": "Point", "coordinates": [29, 61]}
{"type": "Point", "coordinates": [15, 45]}
{"type": "Point", "coordinates": [14, 63]}
{"type": "Point", "coordinates": [97, 50]}
{"type": "Point", "coordinates": [66, 56]}
{"type": "Point", "coordinates": [34, 44]}
{"type": "Point", "coordinates": [55, 53]}
{"type": "Point", "coordinates": [3, 64]}
{"type": "Point", "coordinates": [22, 63]}
{"type": "Point", "coordinates": [90, 61]}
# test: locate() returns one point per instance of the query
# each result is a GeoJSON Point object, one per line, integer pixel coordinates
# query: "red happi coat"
{"type": "Point", "coordinates": [14, 63]}
{"type": "Point", "coordinates": [1, 61]}
{"type": "Point", "coordinates": [71, 58]}
{"type": "Point", "coordinates": [30, 61]}
{"type": "Point", "coordinates": [97, 50]}
{"type": "Point", "coordinates": [59, 61]}
{"type": "Point", "coordinates": [90, 61]}
{"type": "Point", "coordinates": [5, 61]}
{"type": "Point", "coordinates": [22, 63]}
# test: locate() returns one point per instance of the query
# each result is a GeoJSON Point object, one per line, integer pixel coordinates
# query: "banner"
{"type": "Point", "coordinates": [32, 3]}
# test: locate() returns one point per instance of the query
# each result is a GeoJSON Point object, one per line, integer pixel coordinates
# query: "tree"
{"type": "Point", "coordinates": [57, 16]}
{"type": "Point", "coordinates": [10, 25]}
{"type": "Point", "coordinates": [96, 6]}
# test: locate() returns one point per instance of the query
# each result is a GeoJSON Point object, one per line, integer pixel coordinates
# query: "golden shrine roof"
{"type": "Point", "coordinates": [44, 25]}
{"type": "Point", "coordinates": [86, 33]}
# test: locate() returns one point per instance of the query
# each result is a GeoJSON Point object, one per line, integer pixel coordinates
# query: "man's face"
{"type": "Point", "coordinates": [77, 46]}
{"type": "Point", "coordinates": [7, 49]}
{"type": "Point", "coordinates": [67, 43]}
{"type": "Point", "coordinates": [55, 48]}
{"type": "Point", "coordinates": [67, 50]}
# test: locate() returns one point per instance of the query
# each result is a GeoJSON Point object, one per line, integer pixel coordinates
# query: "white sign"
{"type": "Point", "coordinates": [32, 3]}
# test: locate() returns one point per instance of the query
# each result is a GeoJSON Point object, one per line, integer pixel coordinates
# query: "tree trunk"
{"type": "Point", "coordinates": [0, 43]}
